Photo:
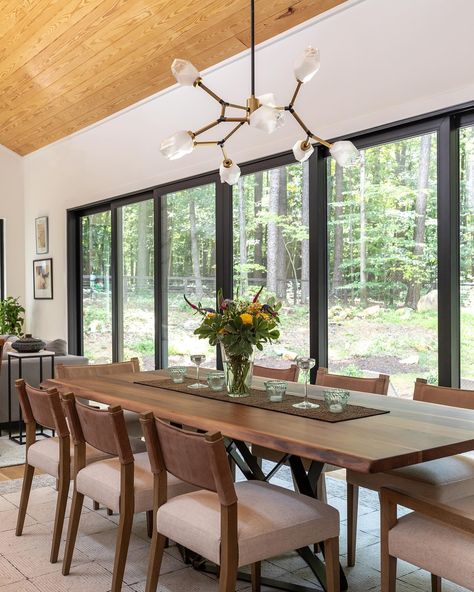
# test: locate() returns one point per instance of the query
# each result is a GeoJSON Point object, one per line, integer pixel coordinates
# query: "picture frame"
{"type": "Point", "coordinates": [43, 279]}
{"type": "Point", "coordinates": [42, 235]}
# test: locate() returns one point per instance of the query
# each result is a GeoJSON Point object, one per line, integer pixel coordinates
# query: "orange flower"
{"type": "Point", "coordinates": [246, 318]}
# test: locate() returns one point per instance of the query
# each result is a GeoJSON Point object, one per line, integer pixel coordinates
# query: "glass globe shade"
{"type": "Point", "coordinates": [344, 153]}
{"type": "Point", "coordinates": [267, 119]}
{"type": "Point", "coordinates": [177, 145]}
{"type": "Point", "coordinates": [184, 72]}
{"type": "Point", "coordinates": [301, 153]}
{"type": "Point", "coordinates": [229, 174]}
{"type": "Point", "coordinates": [307, 64]}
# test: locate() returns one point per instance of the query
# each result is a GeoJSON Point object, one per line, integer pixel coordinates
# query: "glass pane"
{"type": "Point", "coordinates": [382, 264]}
{"type": "Point", "coordinates": [96, 234]}
{"type": "Point", "coordinates": [188, 268]}
{"type": "Point", "coordinates": [136, 249]}
{"type": "Point", "coordinates": [271, 218]}
{"type": "Point", "coordinates": [467, 256]}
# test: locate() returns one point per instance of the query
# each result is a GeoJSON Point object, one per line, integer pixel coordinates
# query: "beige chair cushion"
{"type": "Point", "coordinates": [440, 480]}
{"type": "Point", "coordinates": [101, 482]}
{"type": "Point", "coordinates": [272, 520]}
{"type": "Point", "coordinates": [440, 549]}
{"type": "Point", "coordinates": [44, 455]}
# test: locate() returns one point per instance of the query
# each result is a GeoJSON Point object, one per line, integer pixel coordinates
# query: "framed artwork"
{"type": "Point", "coordinates": [42, 235]}
{"type": "Point", "coordinates": [43, 279]}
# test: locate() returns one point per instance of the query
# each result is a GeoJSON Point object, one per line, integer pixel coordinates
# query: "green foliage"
{"type": "Point", "coordinates": [11, 317]}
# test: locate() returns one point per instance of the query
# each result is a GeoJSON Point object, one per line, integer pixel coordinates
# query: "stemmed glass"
{"type": "Point", "coordinates": [305, 365]}
{"type": "Point", "coordinates": [197, 359]}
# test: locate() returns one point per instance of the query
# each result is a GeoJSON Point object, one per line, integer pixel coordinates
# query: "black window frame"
{"type": "Point", "coordinates": [446, 123]}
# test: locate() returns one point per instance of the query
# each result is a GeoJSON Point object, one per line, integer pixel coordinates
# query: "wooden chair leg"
{"type": "Point", "coordinates": [25, 496]}
{"type": "Point", "coordinates": [109, 512]}
{"type": "Point", "coordinates": [321, 489]}
{"type": "Point", "coordinates": [435, 583]}
{"type": "Point", "coordinates": [76, 509]}
{"type": "Point", "coordinates": [256, 576]}
{"type": "Point", "coordinates": [352, 512]}
{"type": "Point", "coordinates": [121, 547]}
{"type": "Point", "coordinates": [331, 556]}
{"type": "Point", "coordinates": [149, 523]}
{"type": "Point", "coordinates": [388, 563]}
{"type": "Point", "coordinates": [59, 517]}
{"type": "Point", "coordinates": [95, 506]}
{"type": "Point", "coordinates": [154, 564]}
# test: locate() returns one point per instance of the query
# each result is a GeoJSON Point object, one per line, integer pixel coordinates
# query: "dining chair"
{"type": "Point", "coordinates": [436, 537]}
{"type": "Point", "coordinates": [229, 524]}
{"type": "Point", "coordinates": [90, 370]}
{"type": "Point", "coordinates": [378, 386]}
{"type": "Point", "coordinates": [441, 480]}
{"type": "Point", "coordinates": [291, 373]}
{"type": "Point", "coordinates": [123, 483]}
{"type": "Point", "coordinates": [53, 456]}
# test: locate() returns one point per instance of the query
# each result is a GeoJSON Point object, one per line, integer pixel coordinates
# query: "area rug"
{"type": "Point", "coordinates": [11, 453]}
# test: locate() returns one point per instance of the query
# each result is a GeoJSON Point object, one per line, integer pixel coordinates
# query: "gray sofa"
{"type": "Point", "coordinates": [30, 371]}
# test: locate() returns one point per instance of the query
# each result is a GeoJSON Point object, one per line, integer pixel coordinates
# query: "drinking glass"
{"type": "Point", "coordinates": [197, 359]}
{"type": "Point", "coordinates": [305, 365]}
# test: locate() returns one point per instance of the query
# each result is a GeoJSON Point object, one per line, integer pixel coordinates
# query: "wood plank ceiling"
{"type": "Point", "coordinates": [65, 64]}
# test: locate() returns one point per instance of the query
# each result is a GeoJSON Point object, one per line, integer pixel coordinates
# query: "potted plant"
{"type": "Point", "coordinates": [239, 326]}
{"type": "Point", "coordinates": [11, 317]}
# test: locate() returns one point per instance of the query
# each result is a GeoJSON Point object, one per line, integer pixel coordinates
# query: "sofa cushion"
{"type": "Point", "coordinates": [7, 346]}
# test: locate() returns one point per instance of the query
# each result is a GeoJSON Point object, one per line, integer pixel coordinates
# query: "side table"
{"type": "Point", "coordinates": [20, 356]}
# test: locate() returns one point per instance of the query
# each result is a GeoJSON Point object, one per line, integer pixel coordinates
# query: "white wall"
{"type": "Point", "coordinates": [12, 211]}
{"type": "Point", "coordinates": [382, 60]}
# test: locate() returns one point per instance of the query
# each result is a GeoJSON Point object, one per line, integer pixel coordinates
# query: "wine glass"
{"type": "Point", "coordinates": [197, 359]}
{"type": "Point", "coordinates": [305, 365]}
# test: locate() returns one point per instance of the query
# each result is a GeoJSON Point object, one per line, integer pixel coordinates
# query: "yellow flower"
{"type": "Point", "coordinates": [222, 331]}
{"type": "Point", "coordinates": [210, 315]}
{"type": "Point", "coordinates": [246, 318]}
{"type": "Point", "coordinates": [264, 315]}
{"type": "Point", "coordinates": [254, 307]}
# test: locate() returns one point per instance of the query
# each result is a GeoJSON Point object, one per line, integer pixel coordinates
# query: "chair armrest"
{"type": "Point", "coordinates": [441, 512]}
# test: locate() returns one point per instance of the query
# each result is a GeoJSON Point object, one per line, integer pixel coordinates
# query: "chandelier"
{"type": "Point", "coordinates": [259, 112]}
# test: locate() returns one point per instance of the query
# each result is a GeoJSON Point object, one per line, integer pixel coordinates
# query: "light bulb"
{"type": "Point", "coordinates": [344, 153]}
{"type": "Point", "coordinates": [303, 150]}
{"type": "Point", "coordinates": [229, 172]}
{"type": "Point", "coordinates": [177, 145]}
{"type": "Point", "coordinates": [267, 119]}
{"type": "Point", "coordinates": [184, 72]}
{"type": "Point", "coordinates": [307, 64]}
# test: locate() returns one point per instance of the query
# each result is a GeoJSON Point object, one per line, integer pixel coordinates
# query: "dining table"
{"type": "Point", "coordinates": [406, 433]}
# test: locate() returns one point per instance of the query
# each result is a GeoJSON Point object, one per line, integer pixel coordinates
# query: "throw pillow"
{"type": "Point", "coordinates": [58, 346]}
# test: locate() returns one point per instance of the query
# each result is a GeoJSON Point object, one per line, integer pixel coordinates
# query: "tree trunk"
{"type": "Point", "coordinates": [304, 294]}
{"type": "Point", "coordinates": [281, 250]}
{"type": "Point", "coordinates": [414, 289]}
{"type": "Point", "coordinates": [272, 230]}
{"type": "Point", "coordinates": [338, 232]}
{"type": "Point", "coordinates": [243, 240]}
{"type": "Point", "coordinates": [258, 253]}
{"type": "Point", "coordinates": [142, 249]}
{"type": "Point", "coordinates": [195, 248]}
{"type": "Point", "coordinates": [363, 244]}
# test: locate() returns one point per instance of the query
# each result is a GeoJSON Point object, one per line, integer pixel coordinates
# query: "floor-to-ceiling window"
{"type": "Point", "coordinates": [188, 247]}
{"type": "Point", "coordinates": [96, 237]}
{"type": "Point", "coordinates": [271, 249]}
{"type": "Point", "coordinates": [136, 281]}
{"type": "Point", "coordinates": [466, 140]}
{"type": "Point", "coordinates": [382, 263]}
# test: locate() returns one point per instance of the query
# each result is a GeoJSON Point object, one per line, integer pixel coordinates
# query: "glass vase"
{"type": "Point", "coordinates": [238, 373]}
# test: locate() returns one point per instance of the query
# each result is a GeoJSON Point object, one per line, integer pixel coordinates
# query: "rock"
{"type": "Point", "coordinates": [404, 312]}
{"type": "Point", "coordinates": [411, 360]}
{"type": "Point", "coordinates": [428, 302]}
{"type": "Point", "coordinates": [371, 311]}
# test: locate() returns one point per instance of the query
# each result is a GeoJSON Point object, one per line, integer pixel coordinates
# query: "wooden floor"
{"type": "Point", "coordinates": [15, 472]}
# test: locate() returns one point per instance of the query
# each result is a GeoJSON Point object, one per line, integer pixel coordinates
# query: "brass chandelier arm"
{"type": "Point", "coordinates": [295, 94]}
{"type": "Point", "coordinates": [307, 131]}
{"type": "Point", "coordinates": [207, 143]}
{"type": "Point", "coordinates": [232, 131]}
{"type": "Point", "coordinates": [217, 98]}
{"type": "Point", "coordinates": [205, 128]}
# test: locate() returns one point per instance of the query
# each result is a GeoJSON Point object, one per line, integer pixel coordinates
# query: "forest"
{"type": "Point", "coordinates": [382, 263]}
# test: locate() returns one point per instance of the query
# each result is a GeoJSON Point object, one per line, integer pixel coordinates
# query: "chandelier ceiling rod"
{"type": "Point", "coordinates": [260, 113]}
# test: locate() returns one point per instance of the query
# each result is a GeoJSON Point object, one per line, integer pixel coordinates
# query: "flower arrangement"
{"type": "Point", "coordinates": [239, 326]}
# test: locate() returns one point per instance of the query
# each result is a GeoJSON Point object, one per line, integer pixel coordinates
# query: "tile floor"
{"type": "Point", "coordinates": [25, 567]}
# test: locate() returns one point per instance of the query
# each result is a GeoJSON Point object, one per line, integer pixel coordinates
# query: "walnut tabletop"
{"type": "Point", "coordinates": [411, 433]}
